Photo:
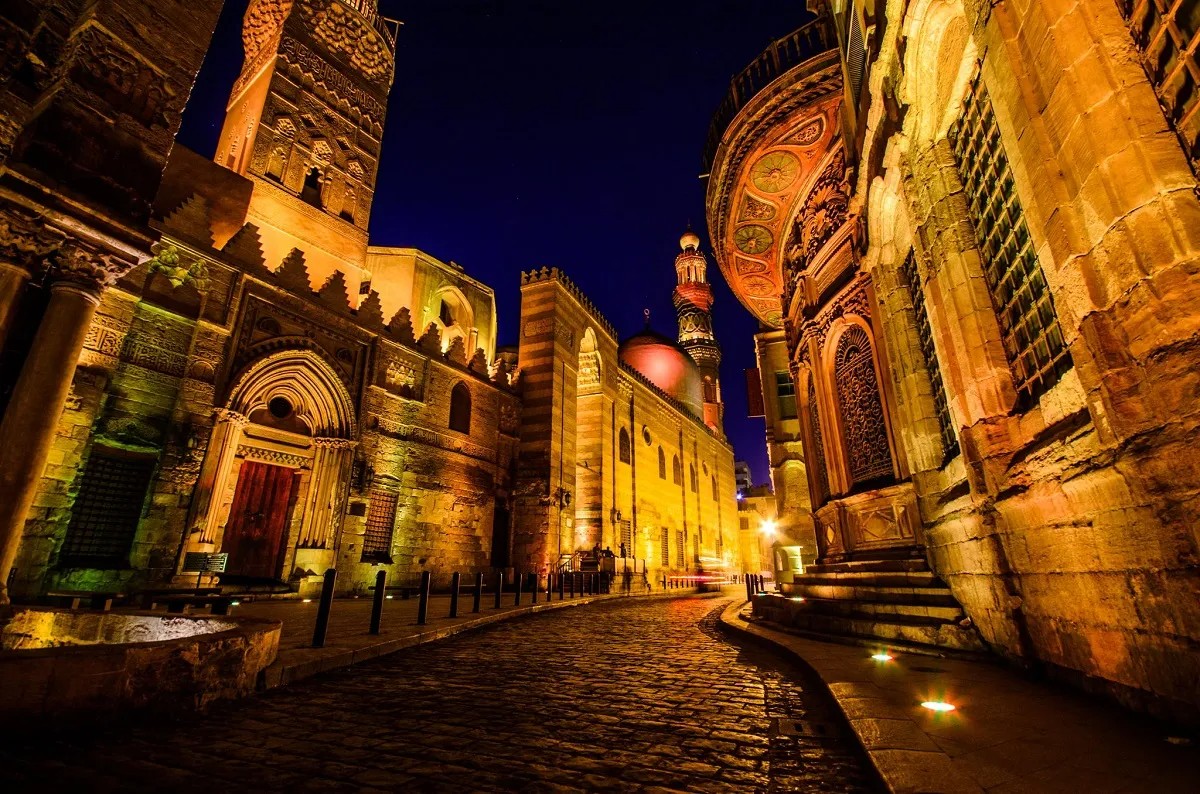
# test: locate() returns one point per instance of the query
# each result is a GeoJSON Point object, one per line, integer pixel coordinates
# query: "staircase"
{"type": "Point", "coordinates": [898, 603]}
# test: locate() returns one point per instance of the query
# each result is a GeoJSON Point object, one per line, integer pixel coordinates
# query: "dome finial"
{"type": "Point", "coordinates": [690, 239]}
{"type": "Point", "coordinates": [646, 314]}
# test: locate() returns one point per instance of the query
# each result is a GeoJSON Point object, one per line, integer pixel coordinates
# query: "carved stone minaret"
{"type": "Point", "coordinates": [693, 300]}
{"type": "Point", "coordinates": [304, 123]}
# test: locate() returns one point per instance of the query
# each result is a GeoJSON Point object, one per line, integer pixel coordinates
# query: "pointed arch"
{"type": "Point", "coordinates": [624, 447]}
{"type": "Point", "coordinates": [315, 393]}
{"type": "Point", "coordinates": [460, 408]}
{"type": "Point", "coordinates": [662, 464]}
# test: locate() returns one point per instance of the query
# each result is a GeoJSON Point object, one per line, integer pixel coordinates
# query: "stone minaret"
{"type": "Point", "coordinates": [693, 300]}
{"type": "Point", "coordinates": [304, 123]}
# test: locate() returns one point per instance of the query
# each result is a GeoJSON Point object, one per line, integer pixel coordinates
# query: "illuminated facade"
{"type": "Point", "coordinates": [973, 237]}
{"type": "Point", "coordinates": [207, 357]}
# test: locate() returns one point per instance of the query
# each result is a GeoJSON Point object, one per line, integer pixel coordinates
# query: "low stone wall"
{"type": "Point", "coordinates": [56, 662]}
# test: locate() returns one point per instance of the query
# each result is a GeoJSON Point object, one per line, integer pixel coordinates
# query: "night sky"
{"type": "Point", "coordinates": [558, 133]}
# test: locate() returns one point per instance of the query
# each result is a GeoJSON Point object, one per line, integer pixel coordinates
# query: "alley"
{"type": "Point", "coordinates": [614, 696]}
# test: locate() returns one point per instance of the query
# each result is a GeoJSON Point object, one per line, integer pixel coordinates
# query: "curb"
{"type": "Point", "coordinates": [282, 675]}
{"type": "Point", "coordinates": [877, 724]}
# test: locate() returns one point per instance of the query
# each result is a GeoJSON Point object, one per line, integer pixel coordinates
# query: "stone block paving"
{"type": "Point", "coordinates": [628, 695]}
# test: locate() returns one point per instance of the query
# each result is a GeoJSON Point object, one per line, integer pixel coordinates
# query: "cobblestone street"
{"type": "Point", "coordinates": [616, 696]}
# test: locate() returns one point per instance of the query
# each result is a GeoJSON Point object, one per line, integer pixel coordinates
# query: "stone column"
{"type": "Point", "coordinates": [24, 242]}
{"type": "Point", "coordinates": [213, 479]}
{"type": "Point", "coordinates": [330, 472]}
{"type": "Point", "coordinates": [77, 277]}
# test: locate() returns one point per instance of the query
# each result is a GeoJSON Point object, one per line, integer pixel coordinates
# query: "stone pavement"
{"type": "Point", "coordinates": [347, 641]}
{"type": "Point", "coordinates": [1008, 734]}
{"type": "Point", "coordinates": [627, 695]}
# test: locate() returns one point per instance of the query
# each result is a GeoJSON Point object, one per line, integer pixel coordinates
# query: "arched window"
{"type": "Point", "coordinates": [662, 464]}
{"type": "Point", "coordinates": [676, 470]}
{"type": "Point", "coordinates": [275, 165]}
{"type": "Point", "coordinates": [863, 425]}
{"type": "Point", "coordinates": [460, 409]}
{"type": "Point", "coordinates": [623, 445]}
{"type": "Point", "coordinates": [311, 192]}
{"type": "Point", "coordinates": [693, 480]}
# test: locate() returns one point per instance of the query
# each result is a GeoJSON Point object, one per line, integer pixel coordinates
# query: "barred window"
{"type": "Point", "coordinates": [744, 522]}
{"type": "Point", "coordinates": [1033, 341]}
{"type": "Point", "coordinates": [925, 340]}
{"type": "Point", "coordinates": [816, 455]}
{"type": "Point", "coordinates": [680, 548]}
{"type": "Point", "coordinates": [785, 389]}
{"type": "Point", "coordinates": [623, 446]}
{"type": "Point", "coordinates": [627, 538]}
{"type": "Point", "coordinates": [666, 547]}
{"type": "Point", "coordinates": [1168, 34]}
{"type": "Point", "coordinates": [381, 522]}
{"type": "Point", "coordinates": [108, 507]}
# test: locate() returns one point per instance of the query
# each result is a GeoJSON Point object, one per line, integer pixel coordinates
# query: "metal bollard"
{"type": "Point", "coordinates": [478, 592]}
{"type": "Point", "coordinates": [533, 586]}
{"type": "Point", "coordinates": [561, 587]}
{"type": "Point", "coordinates": [322, 627]}
{"type": "Point", "coordinates": [499, 589]}
{"type": "Point", "coordinates": [749, 595]}
{"type": "Point", "coordinates": [423, 604]}
{"type": "Point", "coordinates": [549, 587]}
{"type": "Point", "coordinates": [571, 580]}
{"type": "Point", "coordinates": [518, 581]}
{"type": "Point", "coordinates": [377, 603]}
{"type": "Point", "coordinates": [584, 581]}
{"type": "Point", "coordinates": [455, 581]}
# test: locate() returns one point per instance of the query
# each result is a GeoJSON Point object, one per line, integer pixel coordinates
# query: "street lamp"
{"type": "Point", "coordinates": [767, 528]}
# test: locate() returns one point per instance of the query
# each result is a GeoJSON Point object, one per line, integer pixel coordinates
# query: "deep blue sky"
{"type": "Point", "coordinates": [554, 132]}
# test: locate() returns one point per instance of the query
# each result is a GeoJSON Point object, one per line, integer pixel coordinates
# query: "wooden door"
{"type": "Point", "coordinates": [254, 535]}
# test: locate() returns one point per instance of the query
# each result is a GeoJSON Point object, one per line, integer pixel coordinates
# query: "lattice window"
{"type": "Point", "coordinates": [666, 547]}
{"type": "Point", "coordinates": [1168, 34]}
{"type": "Point", "coordinates": [925, 340]}
{"type": "Point", "coordinates": [744, 522]}
{"type": "Point", "coordinates": [627, 538]}
{"type": "Point", "coordinates": [623, 445]}
{"type": "Point", "coordinates": [108, 507]}
{"type": "Point", "coordinates": [816, 456]}
{"type": "Point", "coordinates": [1033, 342]}
{"type": "Point", "coordinates": [863, 425]}
{"type": "Point", "coordinates": [680, 548]}
{"type": "Point", "coordinates": [381, 522]}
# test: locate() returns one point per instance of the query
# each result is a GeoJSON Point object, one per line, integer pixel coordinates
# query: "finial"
{"type": "Point", "coordinates": [646, 314]}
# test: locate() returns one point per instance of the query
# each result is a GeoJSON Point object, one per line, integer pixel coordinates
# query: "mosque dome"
{"type": "Point", "coordinates": [667, 365]}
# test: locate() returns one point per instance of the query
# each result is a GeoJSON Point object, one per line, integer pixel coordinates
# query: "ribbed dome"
{"type": "Point", "coordinates": [667, 365]}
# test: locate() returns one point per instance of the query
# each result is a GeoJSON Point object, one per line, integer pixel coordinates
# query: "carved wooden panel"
{"type": "Point", "coordinates": [865, 431]}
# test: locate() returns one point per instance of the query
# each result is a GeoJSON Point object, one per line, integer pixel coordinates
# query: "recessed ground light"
{"type": "Point", "coordinates": [882, 657]}
{"type": "Point", "coordinates": [389, 597]}
{"type": "Point", "coordinates": [308, 600]}
{"type": "Point", "coordinates": [797, 598]}
{"type": "Point", "coordinates": [234, 603]}
{"type": "Point", "coordinates": [937, 705]}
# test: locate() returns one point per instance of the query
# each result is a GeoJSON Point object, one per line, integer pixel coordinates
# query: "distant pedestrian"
{"type": "Point", "coordinates": [622, 550]}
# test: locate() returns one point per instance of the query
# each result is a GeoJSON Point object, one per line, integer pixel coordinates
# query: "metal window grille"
{"type": "Point", "coordinates": [627, 537]}
{"type": "Point", "coordinates": [925, 340]}
{"type": "Point", "coordinates": [381, 522]}
{"type": "Point", "coordinates": [744, 522]}
{"type": "Point", "coordinates": [856, 54]}
{"type": "Point", "coordinates": [105, 516]}
{"type": "Point", "coordinates": [680, 547]}
{"type": "Point", "coordinates": [666, 547]}
{"type": "Point", "coordinates": [1033, 341]}
{"type": "Point", "coordinates": [1168, 34]}
{"type": "Point", "coordinates": [695, 549]}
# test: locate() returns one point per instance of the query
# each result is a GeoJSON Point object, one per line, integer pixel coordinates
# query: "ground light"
{"type": "Point", "coordinates": [797, 598]}
{"type": "Point", "coordinates": [937, 705]}
{"type": "Point", "coordinates": [308, 600]}
{"type": "Point", "coordinates": [882, 657]}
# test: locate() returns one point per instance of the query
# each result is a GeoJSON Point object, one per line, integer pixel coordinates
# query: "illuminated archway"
{"type": "Point", "coordinates": [313, 390]}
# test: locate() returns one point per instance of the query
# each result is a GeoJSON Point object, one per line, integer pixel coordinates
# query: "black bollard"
{"type": "Point", "coordinates": [478, 592]}
{"type": "Point", "coordinates": [377, 603]}
{"type": "Point", "coordinates": [455, 580]}
{"type": "Point", "coordinates": [322, 627]}
{"type": "Point", "coordinates": [423, 604]}
{"type": "Point", "coordinates": [518, 581]}
{"type": "Point", "coordinates": [499, 588]}
{"type": "Point", "coordinates": [749, 595]}
{"type": "Point", "coordinates": [549, 587]}
{"type": "Point", "coordinates": [533, 586]}
{"type": "Point", "coordinates": [583, 583]}
{"type": "Point", "coordinates": [562, 587]}
{"type": "Point", "coordinates": [571, 588]}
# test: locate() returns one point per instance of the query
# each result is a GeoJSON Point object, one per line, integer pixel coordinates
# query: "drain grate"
{"type": "Point", "coordinates": [816, 730]}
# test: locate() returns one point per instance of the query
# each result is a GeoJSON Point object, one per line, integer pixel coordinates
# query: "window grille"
{"type": "Point", "coordinates": [785, 389]}
{"type": "Point", "coordinates": [1168, 34]}
{"type": "Point", "coordinates": [863, 425]}
{"type": "Point", "coordinates": [925, 340]}
{"type": "Point", "coordinates": [856, 54]}
{"type": "Point", "coordinates": [1032, 339]}
{"type": "Point", "coordinates": [695, 549]}
{"type": "Point", "coordinates": [107, 509]}
{"type": "Point", "coordinates": [744, 522]}
{"type": "Point", "coordinates": [627, 537]}
{"type": "Point", "coordinates": [680, 548]}
{"type": "Point", "coordinates": [381, 522]}
{"type": "Point", "coordinates": [817, 454]}
{"type": "Point", "coordinates": [460, 409]}
{"type": "Point", "coordinates": [623, 445]}
{"type": "Point", "coordinates": [666, 547]}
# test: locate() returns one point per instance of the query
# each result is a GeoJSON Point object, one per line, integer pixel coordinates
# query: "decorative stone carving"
{"type": "Point", "coordinates": [25, 240]}
{"type": "Point", "coordinates": [867, 451]}
{"type": "Point", "coordinates": [85, 268]}
{"type": "Point", "coordinates": [178, 268]}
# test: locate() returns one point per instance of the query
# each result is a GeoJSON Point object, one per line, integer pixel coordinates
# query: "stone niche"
{"type": "Point", "coordinates": [78, 663]}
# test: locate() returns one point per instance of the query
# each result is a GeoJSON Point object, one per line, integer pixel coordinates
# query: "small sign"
{"type": "Point", "coordinates": [202, 562]}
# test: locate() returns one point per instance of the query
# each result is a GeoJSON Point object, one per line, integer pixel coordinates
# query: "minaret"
{"type": "Point", "coordinates": [304, 124]}
{"type": "Point", "coordinates": [693, 300]}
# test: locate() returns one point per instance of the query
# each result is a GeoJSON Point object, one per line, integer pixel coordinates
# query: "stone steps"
{"type": "Point", "coordinates": [886, 610]}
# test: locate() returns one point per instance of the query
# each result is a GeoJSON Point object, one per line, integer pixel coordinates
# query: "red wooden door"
{"type": "Point", "coordinates": [254, 534]}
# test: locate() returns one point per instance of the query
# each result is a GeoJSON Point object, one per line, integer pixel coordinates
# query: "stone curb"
{"type": "Point", "coordinates": [282, 675]}
{"type": "Point", "coordinates": [903, 755]}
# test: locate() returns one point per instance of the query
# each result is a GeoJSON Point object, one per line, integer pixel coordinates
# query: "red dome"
{"type": "Point", "coordinates": [667, 365]}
